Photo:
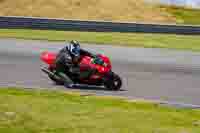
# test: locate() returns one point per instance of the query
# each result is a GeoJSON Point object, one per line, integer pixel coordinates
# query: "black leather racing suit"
{"type": "Point", "coordinates": [65, 65]}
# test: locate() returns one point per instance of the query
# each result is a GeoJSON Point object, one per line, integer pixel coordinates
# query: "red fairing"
{"type": "Point", "coordinates": [87, 61]}
{"type": "Point", "coordinates": [106, 60]}
{"type": "Point", "coordinates": [48, 58]}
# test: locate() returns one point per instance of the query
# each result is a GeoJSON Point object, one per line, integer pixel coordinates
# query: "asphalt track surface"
{"type": "Point", "coordinates": [153, 74]}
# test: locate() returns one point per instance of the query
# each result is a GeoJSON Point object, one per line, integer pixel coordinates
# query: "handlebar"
{"type": "Point", "coordinates": [98, 61]}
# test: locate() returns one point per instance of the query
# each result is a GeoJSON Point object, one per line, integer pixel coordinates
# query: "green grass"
{"type": "Point", "coordinates": [124, 39]}
{"type": "Point", "coordinates": [45, 111]}
{"type": "Point", "coordinates": [184, 15]}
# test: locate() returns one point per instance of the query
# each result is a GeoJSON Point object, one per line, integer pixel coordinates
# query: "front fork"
{"type": "Point", "coordinates": [108, 77]}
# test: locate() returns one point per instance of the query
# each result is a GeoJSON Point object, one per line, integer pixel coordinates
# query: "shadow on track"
{"type": "Point", "coordinates": [89, 87]}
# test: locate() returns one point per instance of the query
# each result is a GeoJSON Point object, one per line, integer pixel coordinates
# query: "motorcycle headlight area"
{"type": "Point", "coordinates": [105, 64]}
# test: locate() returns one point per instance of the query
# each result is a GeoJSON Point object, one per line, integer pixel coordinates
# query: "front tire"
{"type": "Point", "coordinates": [113, 82]}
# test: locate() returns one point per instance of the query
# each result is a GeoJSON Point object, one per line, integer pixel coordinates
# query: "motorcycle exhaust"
{"type": "Point", "coordinates": [45, 70]}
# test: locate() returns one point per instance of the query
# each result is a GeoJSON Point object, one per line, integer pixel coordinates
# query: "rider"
{"type": "Point", "coordinates": [67, 61]}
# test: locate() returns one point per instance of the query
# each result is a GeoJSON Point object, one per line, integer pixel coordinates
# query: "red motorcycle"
{"type": "Point", "coordinates": [103, 75]}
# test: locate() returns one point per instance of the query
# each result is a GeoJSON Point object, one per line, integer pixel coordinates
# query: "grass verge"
{"type": "Point", "coordinates": [36, 111]}
{"type": "Point", "coordinates": [184, 15]}
{"type": "Point", "coordinates": [124, 39]}
{"type": "Point", "coordinates": [112, 10]}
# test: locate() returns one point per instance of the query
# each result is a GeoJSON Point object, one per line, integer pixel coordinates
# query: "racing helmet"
{"type": "Point", "coordinates": [74, 48]}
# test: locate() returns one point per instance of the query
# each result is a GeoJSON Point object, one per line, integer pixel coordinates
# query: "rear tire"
{"type": "Point", "coordinates": [113, 82]}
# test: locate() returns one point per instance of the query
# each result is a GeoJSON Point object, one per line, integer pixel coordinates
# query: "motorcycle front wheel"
{"type": "Point", "coordinates": [113, 82]}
